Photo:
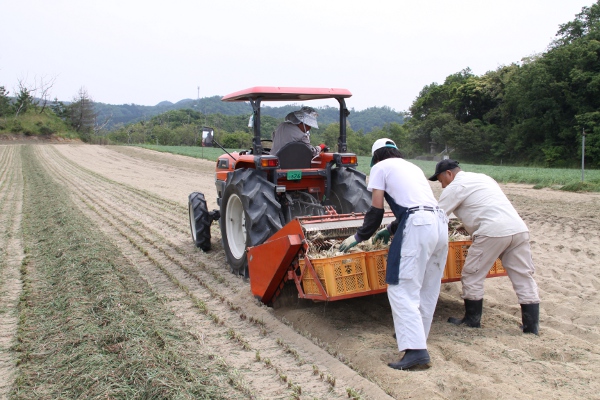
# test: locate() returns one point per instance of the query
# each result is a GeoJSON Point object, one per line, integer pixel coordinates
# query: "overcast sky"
{"type": "Point", "coordinates": [384, 52]}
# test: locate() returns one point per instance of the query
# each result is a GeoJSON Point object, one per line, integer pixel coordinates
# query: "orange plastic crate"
{"type": "Point", "coordinates": [365, 271]}
{"type": "Point", "coordinates": [457, 253]}
{"type": "Point", "coordinates": [339, 275]}
{"type": "Point", "coordinates": [376, 267]}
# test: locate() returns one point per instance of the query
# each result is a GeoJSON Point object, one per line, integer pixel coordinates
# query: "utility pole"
{"type": "Point", "coordinates": [582, 153]}
{"type": "Point", "coordinates": [198, 103]}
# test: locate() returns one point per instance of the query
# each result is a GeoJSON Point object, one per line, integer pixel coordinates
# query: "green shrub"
{"type": "Point", "coordinates": [16, 127]}
{"type": "Point", "coordinates": [46, 130]}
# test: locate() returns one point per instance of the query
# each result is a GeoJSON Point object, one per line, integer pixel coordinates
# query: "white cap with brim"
{"type": "Point", "coordinates": [379, 143]}
{"type": "Point", "coordinates": [306, 115]}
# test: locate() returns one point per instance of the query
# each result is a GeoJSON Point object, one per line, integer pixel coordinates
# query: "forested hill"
{"type": "Point", "coordinates": [365, 120]}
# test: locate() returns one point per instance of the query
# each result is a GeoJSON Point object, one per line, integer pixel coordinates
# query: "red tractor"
{"type": "Point", "coordinates": [258, 192]}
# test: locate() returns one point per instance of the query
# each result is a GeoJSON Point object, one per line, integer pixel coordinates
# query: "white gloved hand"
{"type": "Point", "coordinates": [348, 243]}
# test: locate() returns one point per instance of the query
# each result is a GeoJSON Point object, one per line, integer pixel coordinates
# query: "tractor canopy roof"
{"type": "Point", "coordinates": [278, 93]}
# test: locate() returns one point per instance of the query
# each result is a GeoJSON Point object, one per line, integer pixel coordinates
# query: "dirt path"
{"type": "Point", "coordinates": [301, 348]}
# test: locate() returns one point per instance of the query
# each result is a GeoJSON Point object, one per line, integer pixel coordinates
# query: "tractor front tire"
{"type": "Point", "coordinates": [250, 214]}
{"type": "Point", "coordinates": [349, 191]}
{"type": "Point", "coordinates": [199, 220]}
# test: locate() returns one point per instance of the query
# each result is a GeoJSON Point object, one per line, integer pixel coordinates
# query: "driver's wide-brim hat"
{"type": "Point", "coordinates": [306, 115]}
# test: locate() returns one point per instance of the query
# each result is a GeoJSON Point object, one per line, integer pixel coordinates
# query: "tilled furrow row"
{"type": "Point", "coordinates": [142, 225]}
{"type": "Point", "coordinates": [6, 154]}
{"type": "Point", "coordinates": [159, 202]}
{"type": "Point", "coordinates": [7, 178]}
{"type": "Point", "coordinates": [124, 198]}
{"type": "Point", "coordinates": [10, 195]}
{"type": "Point", "coordinates": [204, 295]}
{"type": "Point", "coordinates": [11, 257]}
{"type": "Point", "coordinates": [165, 212]}
{"type": "Point", "coordinates": [138, 201]}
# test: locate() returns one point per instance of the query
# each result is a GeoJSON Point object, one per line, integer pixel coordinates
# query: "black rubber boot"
{"type": "Point", "coordinates": [531, 318]}
{"type": "Point", "coordinates": [413, 359]}
{"type": "Point", "coordinates": [472, 318]}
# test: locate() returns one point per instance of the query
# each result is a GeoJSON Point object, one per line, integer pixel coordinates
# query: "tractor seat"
{"type": "Point", "coordinates": [295, 155]}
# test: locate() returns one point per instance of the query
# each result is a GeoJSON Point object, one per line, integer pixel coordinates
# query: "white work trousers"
{"type": "Point", "coordinates": [413, 299]}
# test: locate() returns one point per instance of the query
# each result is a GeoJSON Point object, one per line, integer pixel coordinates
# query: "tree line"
{"type": "Point", "coordinates": [533, 112]}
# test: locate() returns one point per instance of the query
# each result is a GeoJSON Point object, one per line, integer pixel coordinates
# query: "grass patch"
{"type": "Point", "coordinates": [582, 187]}
{"type": "Point", "coordinates": [565, 179]}
{"type": "Point", "coordinates": [554, 178]}
{"type": "Point", "coordinates": [206, 153]}
{"type": "Point", "coordinates": [89, 326]}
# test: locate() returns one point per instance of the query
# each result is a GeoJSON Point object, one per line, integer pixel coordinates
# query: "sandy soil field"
{"type": "Point", "coordinates": [139, 198]}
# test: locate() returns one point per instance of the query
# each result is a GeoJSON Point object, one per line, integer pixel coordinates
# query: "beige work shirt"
{"type": "Point", "coordinates": [478, 201]}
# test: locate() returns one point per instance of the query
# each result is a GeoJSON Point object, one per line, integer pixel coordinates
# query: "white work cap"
{"type": "Point", "coordinates": [380, 143]}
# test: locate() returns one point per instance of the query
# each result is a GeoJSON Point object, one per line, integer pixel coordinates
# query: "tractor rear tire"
{"type": "Point", "coordinates": [349, 191]}
{"type": "Point", "coordinates": [250, 214]}
{"type": "Point", "coordinates": [199, 220]}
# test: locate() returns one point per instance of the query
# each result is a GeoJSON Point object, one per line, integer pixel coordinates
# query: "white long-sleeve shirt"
{"type": "Point", "coordinates": [478, 201]}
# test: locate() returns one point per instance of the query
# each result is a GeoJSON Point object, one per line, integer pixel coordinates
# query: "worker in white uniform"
{"type": "Point", "coordinates": [498, 232]}
{"type": "Point", "coordinates": [296, 128]}
{"type": "Point", "coordinates": [417, 254]}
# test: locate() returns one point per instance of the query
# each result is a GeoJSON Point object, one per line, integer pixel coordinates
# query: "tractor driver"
{"type": "Point", "coordinates": [296, 128]}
